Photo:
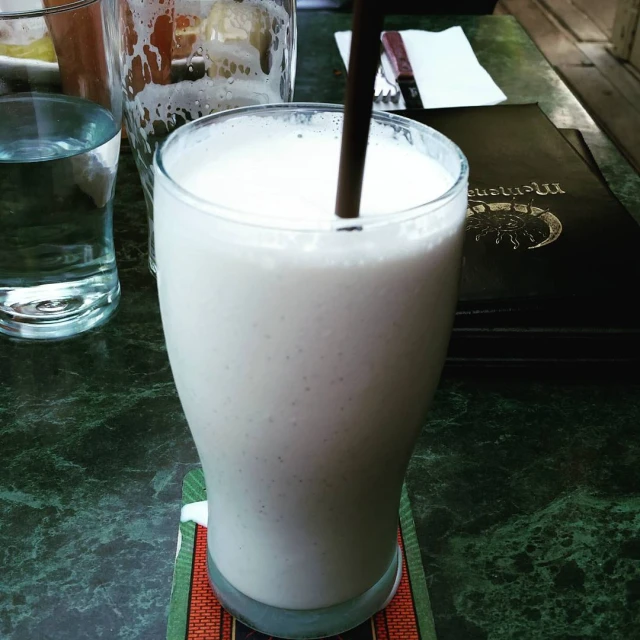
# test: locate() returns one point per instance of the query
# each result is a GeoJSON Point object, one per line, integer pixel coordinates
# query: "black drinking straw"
{"type": "Point", "coordinates": [364, 58]}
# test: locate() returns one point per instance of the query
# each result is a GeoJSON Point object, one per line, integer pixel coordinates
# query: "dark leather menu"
{"type": "Point", "coordinates": [542, 227]}
{"type": "Point", "coordinates": [551, 255]}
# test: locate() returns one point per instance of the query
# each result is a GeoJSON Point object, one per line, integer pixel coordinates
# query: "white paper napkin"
{"type": "Point", "coordinates": [446, 69]}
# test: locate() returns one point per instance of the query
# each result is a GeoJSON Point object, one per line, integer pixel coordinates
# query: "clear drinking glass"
{"type": "Point", "coordinates": [184, 59]}
{"type": "Point", "coordinates": [60, 123]}
{"type": "Point", "coordinates": [305, 352]}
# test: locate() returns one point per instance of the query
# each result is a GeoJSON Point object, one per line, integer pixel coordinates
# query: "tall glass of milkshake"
{"type": "Point", "coordinates": [305, 348]}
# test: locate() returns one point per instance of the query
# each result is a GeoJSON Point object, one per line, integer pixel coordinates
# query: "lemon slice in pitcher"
{"type": "Point", "coordinates": [41, 49]}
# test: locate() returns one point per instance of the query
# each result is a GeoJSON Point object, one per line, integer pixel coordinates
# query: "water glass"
{"type": "Point", "coordinates": [184, 59]}
{"type": "Point", "coordinates": [60, 123]}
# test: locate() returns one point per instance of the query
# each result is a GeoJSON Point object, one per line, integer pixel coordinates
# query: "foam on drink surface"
{"type": "Point", "coordinates": [290, 169]}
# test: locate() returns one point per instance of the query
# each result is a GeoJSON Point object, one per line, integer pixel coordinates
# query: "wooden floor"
{"type": "Point", "coordinates": [575, 36]}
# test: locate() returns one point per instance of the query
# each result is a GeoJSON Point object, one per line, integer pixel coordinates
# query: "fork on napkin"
{"type": "Point", "coordinates": [446, 69]}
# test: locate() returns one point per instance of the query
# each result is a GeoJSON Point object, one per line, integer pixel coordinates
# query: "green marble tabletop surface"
{"type": "Point", "coordinates": [525, 488]}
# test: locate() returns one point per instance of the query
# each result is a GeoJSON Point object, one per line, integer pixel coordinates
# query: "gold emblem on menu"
{"type": "Point", "coordinates": [521, 224]}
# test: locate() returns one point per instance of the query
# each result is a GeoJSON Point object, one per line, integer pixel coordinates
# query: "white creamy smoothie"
{"type": "Point", "coordinates": [305, 356]}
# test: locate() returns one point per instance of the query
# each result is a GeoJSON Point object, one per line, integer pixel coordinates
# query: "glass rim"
{"type": "Point", "coordinates": [279, 223]}
{"type": "Point", "coordinates": [45, 11]}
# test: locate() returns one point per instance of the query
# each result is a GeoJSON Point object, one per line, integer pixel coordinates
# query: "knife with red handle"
{"type": "Point", "coordinates": [395, 49]}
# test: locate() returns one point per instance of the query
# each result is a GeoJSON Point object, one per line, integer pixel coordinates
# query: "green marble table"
{"type": "Point", "coordinates": [525, 489]}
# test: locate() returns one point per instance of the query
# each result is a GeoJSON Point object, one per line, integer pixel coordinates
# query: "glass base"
{"type": "Point", "coordinates": [52, 312]}
{"type": "Point", "coordinates": [306, 624]}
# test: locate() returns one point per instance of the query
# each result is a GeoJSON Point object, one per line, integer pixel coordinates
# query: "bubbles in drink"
{"type": "Point", "coordinates": [386, 163]}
